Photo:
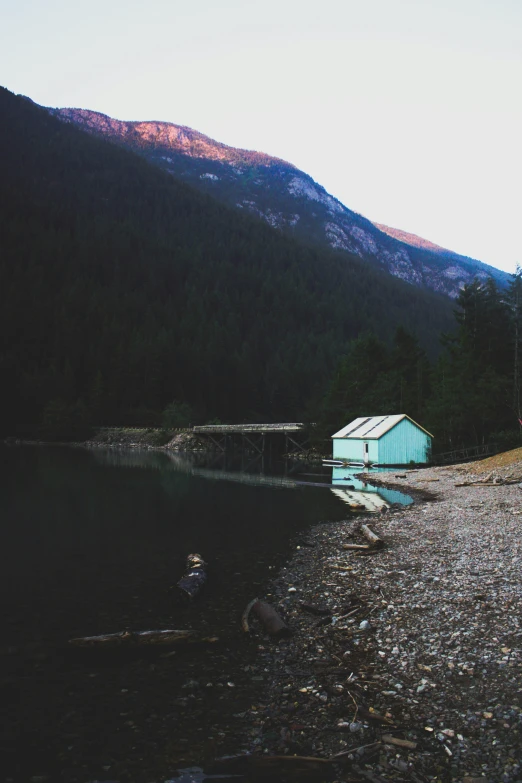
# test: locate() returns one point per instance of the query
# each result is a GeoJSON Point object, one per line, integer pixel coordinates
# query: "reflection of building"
{"type": "Point", "coordinates": [354, 491]}
{"type": "Point", "coordinates": [367, 501]}
{"type": "Point", "coordinates": [383, 440]}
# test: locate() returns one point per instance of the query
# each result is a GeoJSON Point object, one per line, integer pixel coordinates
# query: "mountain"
{"type": "Point", "coordinates": [287, 199]}
{"type": "Point", "coordinates": [123, 289]}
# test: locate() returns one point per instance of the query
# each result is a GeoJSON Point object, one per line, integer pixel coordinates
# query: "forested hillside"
{"type": "Point", "coordinates": [123, 289]}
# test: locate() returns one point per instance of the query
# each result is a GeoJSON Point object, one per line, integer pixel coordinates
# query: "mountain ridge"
{"type": "Point", "coordinates": [123, 289]}
{"type": "Point", "coordinates": [285, 197]}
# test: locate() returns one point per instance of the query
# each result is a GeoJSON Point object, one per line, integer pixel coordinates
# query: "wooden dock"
{"type": "Point", "coordinates": [255, 437]}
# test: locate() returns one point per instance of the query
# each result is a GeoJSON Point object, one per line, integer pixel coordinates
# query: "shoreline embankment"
{"type": "Point", "coordinates": [410, 668]}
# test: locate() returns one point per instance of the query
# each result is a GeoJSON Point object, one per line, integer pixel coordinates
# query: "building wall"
{"type": "Point", "coordinates": [401, 445]}
{"type": "Point", "coordinates": [353, 449]}
{"type": "Point", "coordinates": [404, 443]}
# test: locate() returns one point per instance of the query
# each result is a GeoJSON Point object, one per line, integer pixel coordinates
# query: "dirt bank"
{"type": "Point", "coordinates": [145, 438]}
{"type": "Point", "coordinates": [439, 670]}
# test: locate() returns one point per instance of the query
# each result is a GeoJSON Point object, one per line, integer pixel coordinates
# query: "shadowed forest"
{"type": "Point", "coordinates": [128, 297]}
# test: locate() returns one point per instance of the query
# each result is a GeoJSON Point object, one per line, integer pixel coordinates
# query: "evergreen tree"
{"type": "Point", "coordinates": [472, 388]}
{"type": "Point", "coordinates": [514, 303]}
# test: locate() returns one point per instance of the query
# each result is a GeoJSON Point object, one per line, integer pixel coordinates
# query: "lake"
{"type": "Point", "coordinates": [93, 542]}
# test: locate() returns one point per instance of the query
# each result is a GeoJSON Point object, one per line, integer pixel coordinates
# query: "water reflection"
{"type": "Point", "coordinates": [258, 470]}
{"type": "Point", "coordinates": [352, 490]}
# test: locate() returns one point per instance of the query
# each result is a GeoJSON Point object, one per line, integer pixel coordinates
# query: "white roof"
{"type": "Point", "coordinates": [373, 427]}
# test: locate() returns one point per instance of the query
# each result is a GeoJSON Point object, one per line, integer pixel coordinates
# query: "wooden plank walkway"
{"type": "Point", "coordinates": [239, 429]}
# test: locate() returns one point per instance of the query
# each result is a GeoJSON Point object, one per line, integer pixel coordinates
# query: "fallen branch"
{"type": "Point", "coordinates": [350, 614]}
{"type": "Point", "coordinates": [356, 749]}
{"type": "Point", "coordinates": [375, 541]}
{"type": "Point", "coordinates": [356, 706]}
{"type": "Point", "coordinates": [484, 483]}
{"type": "Point", "coordinates": [373, 550]}
{"type": "Point", "coordinates": [244, 617]}
{"type": "Point", "coordinates": [356, 547]}
{"type": "Point", "coordinates": [135, 638]}
{"type": "Point", "coordinates": [195, 576]}
{"type": "Point", "coordinates": [369, 715]}
{"type": "Point", "coordinates": [400, 743]}
{"type": "Point", "coordinates": [298, 768]}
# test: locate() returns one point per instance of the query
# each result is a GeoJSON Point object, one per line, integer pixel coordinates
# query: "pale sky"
{"type": "Point", "coordinates": [408, 111]}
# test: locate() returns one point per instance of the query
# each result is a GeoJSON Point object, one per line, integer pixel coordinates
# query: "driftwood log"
{"type": "Point", "coordinates": [375, 541]}
{"type": "Point", "coordinates": [268, 616]}
{"type": "Point", "coordinates": [486, 483]}
{"type": "Point", "coordinates": [141, 638]}
{"type": "Point", "coordinates": [375, 716]}
{"type": "Point", "coordinates": [195, 577]}
{"type": "Point", "coordinates": [274, 768]}
{"type": "Point", "coordinates": [357, 547]}
{"type": "Point", "coordinates": [400, 743]}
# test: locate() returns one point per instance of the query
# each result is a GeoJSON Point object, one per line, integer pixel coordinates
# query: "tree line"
{"type": "Point", "coordinates": [469, 396]}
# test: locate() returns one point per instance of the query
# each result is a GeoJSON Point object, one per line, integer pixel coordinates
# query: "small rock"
{"type": "Point", "coordinates": [191, 685]}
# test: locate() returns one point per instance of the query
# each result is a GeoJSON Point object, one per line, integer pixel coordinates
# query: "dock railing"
{"type": "Point", "coordinates": [465, 454]}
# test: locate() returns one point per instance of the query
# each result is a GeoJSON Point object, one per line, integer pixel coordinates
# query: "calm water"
{"type": "Point", "coordinates": [94, 542]}
{"type": "Point", "coordinates": [91, 542]}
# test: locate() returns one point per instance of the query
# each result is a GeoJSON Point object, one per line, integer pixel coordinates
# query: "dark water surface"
{"type": "Point", "coordinates": [92, 542]}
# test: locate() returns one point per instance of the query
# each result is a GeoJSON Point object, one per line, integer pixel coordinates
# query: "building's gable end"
{"type": "Point", "coordinates": [404, 443]}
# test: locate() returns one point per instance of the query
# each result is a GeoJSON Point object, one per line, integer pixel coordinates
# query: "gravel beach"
{"type": "Point", "coordinates": [410, 667]}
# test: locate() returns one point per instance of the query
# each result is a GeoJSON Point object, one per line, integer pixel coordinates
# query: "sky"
{"type": "Point", "coordinates": [408, 111]}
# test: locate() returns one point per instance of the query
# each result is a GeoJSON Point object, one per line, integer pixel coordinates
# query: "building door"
{"type": "Point", "coordinates": [366, 457]}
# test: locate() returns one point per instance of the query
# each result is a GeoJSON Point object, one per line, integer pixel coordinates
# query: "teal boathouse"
{"type": "Point", "coordinates": [383, 440]}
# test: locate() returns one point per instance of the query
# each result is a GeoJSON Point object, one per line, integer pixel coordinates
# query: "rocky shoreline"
{"type": "Point", "coordinates": [414, 671]}
{"type": "Point", "coordinates": [148, 439]}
